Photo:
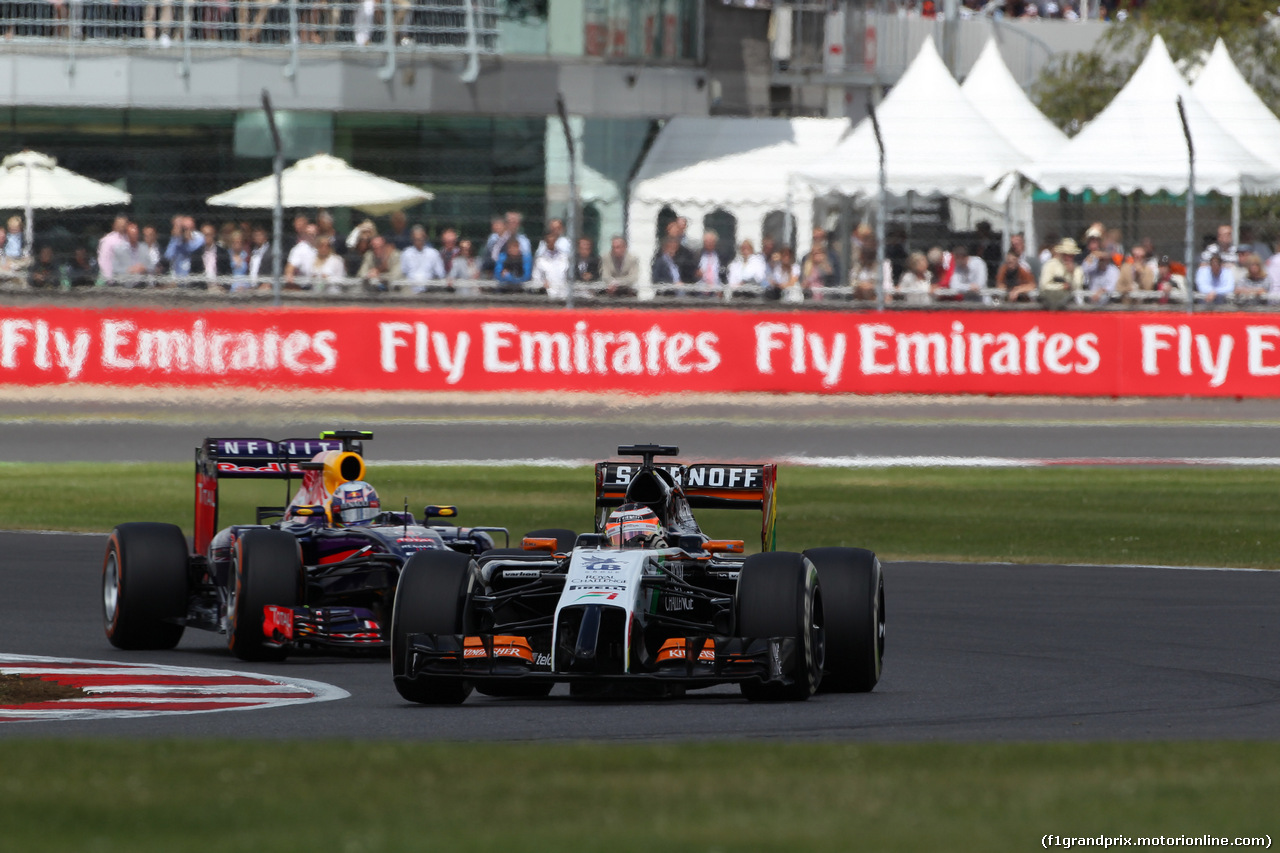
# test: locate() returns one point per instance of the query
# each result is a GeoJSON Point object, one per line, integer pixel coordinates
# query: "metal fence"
{"type": "Point", "coordinates": [442, 25]}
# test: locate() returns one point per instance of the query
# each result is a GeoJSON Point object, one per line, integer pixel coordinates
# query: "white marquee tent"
{"type": "Point", "coordinates": [1231, 101]}
{"type": "Point", "coordinates": [935, 141]}
{"type": "Point", "coordinates": [1137, 145]}
{"type": "Point", "coordinates": [740, 165]}
{"type": "Point", "coordinates": [994, 93]}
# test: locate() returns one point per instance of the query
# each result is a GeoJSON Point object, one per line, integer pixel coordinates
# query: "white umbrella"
{"type": "Point", "coordinates": [34, 181]}
{"type": "Point", "coordinates": [325, 181]}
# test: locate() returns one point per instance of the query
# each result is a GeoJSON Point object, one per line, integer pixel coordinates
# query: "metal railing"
{"type": "Point", "coordinates": [283, 27]}
{"type": "Point", "coordinates": [165, 287]}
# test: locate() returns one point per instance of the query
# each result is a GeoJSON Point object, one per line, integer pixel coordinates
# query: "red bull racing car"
{"type": "Point", "coordinates": [647, 599]}
{"type": "Point", "coordinates": [320, 571]}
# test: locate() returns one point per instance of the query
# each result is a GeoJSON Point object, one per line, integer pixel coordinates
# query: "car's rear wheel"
{"type": "Point", "coordinates": [268, 571]}
{"type": "Point", "coordinates": [431, 598]}
{"type": "Point", "coordinates": [779, 595]}
{"type": "Point", "coordinates": [853, 597]}
{"type": "Point", "coordinates": [144, 586]}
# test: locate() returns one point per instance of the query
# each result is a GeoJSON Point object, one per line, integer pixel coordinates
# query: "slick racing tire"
{"type": "Point", "coordinates": [268, 571]}
{"type": "Point", "coordinates": [430, 599]}
{"type": "Point", "coordinates": [779, 595]}
{"type": "Point", "coordinates": [144, 586]}
{"type": "Point", "coordinates": [853, 598]}
{"type": "Point", "coordinates": [565, 539]}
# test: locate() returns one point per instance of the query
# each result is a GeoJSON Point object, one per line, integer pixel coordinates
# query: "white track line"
{"type": "Point", "coordinates": [882, 461]}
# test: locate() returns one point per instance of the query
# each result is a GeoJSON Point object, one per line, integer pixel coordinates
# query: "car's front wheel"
{"type": "Point", "coordinates": [431, 598]}
{"type": "Point", "coordinates": [268, 571]}
{"type": "Point", "coordinates": [779, 595]}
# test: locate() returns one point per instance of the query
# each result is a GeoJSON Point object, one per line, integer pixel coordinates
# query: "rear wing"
{"type": "Point", "coordinates": [706, 485]}
{"type": "Point", "coordinates": [259, 459]}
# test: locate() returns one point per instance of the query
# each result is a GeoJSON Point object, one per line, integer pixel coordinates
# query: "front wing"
{"type": "Point", "coordinates": [332, 627]}
{"type": "Point", "coordinates": [716, 659]}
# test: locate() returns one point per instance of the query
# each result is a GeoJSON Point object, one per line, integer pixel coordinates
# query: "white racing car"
{"type": "Point", "coordinates": [647, 600]}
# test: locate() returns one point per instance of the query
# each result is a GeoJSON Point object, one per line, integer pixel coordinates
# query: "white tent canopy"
{"type": "Point", "coordinates": [1228, 97]}
{"type": "Point", "coordinates": [994, 93]}
{"type": "Point", "coordinates": [999, 99]}
{"type": "Point", "coordinates": [32, 181]}
{"type": "Point", "coordinates": [697, 165]}
{"type": "Point", "coordinates": [935, 141]}
{"type": "Point", "coordinates": [1137, 144]}
{"type": "Point", "coordinates": [325, 181]}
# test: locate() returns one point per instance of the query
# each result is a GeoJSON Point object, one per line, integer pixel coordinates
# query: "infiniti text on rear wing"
{"type": "Point", "coordinates": [706, 485]}
{"type": "Point", "coordinates": [250, 458]}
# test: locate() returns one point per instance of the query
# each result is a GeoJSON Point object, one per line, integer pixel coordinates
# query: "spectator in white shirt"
{"type": "Point", "coordinates": [551, 268]}
{"type": "Point", "coordinates": [107, 245]}
{"type": "Point", "coordinates": [748, 271]}
{"type": "Point", "coordinates": [711, 272]}
{"type": "Point", "coordinates": [328, 269]}
{"type": "Point", "coordinates": [420, 262]}
{"type": "Point", "coordinates": [968, 274]}
{"type": "Point", "coordinates": [302, 257]}
{"type": "Point", "coordinates": [556, 227]}
{"type": "Point", "coordinates": [1214, 282]}
{"type": "Point", "coordinates": [1273, 273]}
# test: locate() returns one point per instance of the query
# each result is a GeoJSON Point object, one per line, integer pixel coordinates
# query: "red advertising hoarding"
{"type": "Point", "coordinates": [647, 351]}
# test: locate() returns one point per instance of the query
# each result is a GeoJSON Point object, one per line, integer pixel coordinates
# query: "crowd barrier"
{"type": "Point", "coordinates": [645, 351]}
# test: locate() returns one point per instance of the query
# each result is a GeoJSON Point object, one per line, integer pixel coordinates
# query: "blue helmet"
{"type": "Point", "coordinates": [354, 503]}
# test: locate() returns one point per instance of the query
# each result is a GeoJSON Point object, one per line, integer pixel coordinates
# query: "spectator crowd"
{"type": "Point", "coordinates": [238, 257]}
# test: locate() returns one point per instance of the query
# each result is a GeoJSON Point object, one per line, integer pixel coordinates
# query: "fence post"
{"type": "Point", "coordinates": [389, 70]}
{"type": "Point", "coordinates": [292, 68]}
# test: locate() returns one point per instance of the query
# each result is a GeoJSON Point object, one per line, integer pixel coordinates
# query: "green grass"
{"type": "Point", "coordinates": [1176, 516]}
{"type": "Point", "coordinates": [203, 795]}
{"type": "Point", "coordinates": [62, 795]}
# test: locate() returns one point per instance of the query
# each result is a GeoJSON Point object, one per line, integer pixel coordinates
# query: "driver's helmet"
{"type": "Point", "coordinates": [354, 503]}
{"type": "Point", "coordinates": [632, 526]}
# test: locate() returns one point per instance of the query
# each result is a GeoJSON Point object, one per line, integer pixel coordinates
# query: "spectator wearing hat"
{"type": "Point", "coordinates": [1215, 284]}
{"type": "Point", "coordinates": [1061, 277]}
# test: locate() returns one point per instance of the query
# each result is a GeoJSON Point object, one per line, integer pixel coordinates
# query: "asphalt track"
{"type": "Point", "coordinates": [974, 653]}
{"type": "Point", "coordinates": [477, 427]}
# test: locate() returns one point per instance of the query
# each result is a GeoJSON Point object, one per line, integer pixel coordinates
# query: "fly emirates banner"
{"type": "Point", "coordinates": [647, 351]}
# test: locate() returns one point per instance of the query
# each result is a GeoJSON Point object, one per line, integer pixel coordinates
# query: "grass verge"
{"type": "Point", "coordinates": [1175, 516]}
{"type": "Point", "coordinates": [174, 795]}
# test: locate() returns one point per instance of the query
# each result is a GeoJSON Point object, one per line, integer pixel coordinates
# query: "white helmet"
{"type": "Point", "coordinates": [632, 526]}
